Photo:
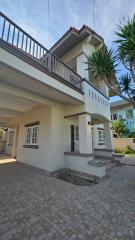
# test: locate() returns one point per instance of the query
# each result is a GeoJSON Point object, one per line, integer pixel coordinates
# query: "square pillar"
{"type": "Point", "coordinates": [85, 134]}
{"type": "Point", "coordinates": [108, 135]}
{"type": "Point", "coordinates": [15, 141]}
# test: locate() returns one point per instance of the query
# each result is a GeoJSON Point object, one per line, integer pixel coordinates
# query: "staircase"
{"type": "Point", "coordinates": [109, 163]}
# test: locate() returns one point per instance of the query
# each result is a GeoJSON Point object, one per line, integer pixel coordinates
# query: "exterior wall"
{"type": "Point", "coordinates": [123, 142]}
{"type": "Point", "coordinates": [57, 137]}
{"type": "Point", "coordinates": [80, 52]}
{"type": "Point", "coordinates": [81, 66]}
{"type": "Point", "coordinates": [40, 76]}
{"type": "Point", "coordinates": [73, 53]}
{"type": "Point", "coordinates": [80, 164]}
{"type": "Point", "coordinates": [95, 102]}
{"type": "Point", "coordinates": [40, 157]}
{"type": "Point", "coordinates": [50, 155]}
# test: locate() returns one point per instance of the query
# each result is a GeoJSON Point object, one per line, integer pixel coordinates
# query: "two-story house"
{"type": "Point", "coordinates": [60, 116]}
{"type": "Point", "coordinates": [125, 111]}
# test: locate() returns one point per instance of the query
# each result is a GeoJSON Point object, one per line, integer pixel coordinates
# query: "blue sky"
{"type": "Point", "coordinates": [32, 16]}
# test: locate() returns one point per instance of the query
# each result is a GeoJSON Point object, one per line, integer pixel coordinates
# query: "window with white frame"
{"type": "Point", "coordinates": [101, 136]}
{"type": "Point", "coordinates": [76, 133]}
{"type": "Point", "coordinates": [11, 137]}
{"type": "Point", "coordinates": [32, 135]}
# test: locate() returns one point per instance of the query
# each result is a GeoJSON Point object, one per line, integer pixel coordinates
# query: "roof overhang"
{"type": "Point", "coordinates": [72, 37]}
{"type": "Point", "coordinates": [119, 104]}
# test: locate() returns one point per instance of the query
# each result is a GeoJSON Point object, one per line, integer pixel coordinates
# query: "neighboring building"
{"type": "Point", "coordinates": [125, 111]}
{"type": "Point", "coordinates": [51, 103]}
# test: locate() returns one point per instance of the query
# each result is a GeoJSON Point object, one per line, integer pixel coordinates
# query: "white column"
{"type": "Point", "coordinates": [15, 141]}
{"type": "Point", "coordinates": [85, 135]}
{"type": "Point", "coordinates": [108, 135]}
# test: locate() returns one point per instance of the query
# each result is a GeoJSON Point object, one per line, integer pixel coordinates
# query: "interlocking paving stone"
{"type": "Point", "coordinates": [34, 206]}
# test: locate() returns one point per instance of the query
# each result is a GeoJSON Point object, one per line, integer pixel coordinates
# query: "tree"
{"type": "Point", "coordinates": [120, 128]}
{"type": "Point", "coordinates": [102, 63]}
{"type": "Point", "coordinates": [126, 44]}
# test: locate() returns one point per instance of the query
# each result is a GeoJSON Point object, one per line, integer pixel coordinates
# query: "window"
{"type": "Point", "coordinates": [101, 136]}
{"type": "Point", "coordinates": [32, 135]}
{"type": "Point", "coordinates": [76, 133]}
{"type": "Point", "coordinates": [115, 117]}
{"type": "Point", "coordinates": [11, 137]}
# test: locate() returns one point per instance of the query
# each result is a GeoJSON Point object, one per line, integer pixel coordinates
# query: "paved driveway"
{"type": "Point", "coordinates": [129, 160]}
{"type": "Point", "coordinates": [37, 207]}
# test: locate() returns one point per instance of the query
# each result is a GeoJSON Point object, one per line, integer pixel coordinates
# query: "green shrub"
{"type": "Point", "coordinates": [128, 150]}
{"type": "Point", "coordinates": [131, 135]}
{"type": "Point", "coordinates": [118, 150]}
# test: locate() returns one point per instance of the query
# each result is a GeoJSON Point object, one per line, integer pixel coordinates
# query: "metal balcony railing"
{"type": "Point", "coordinates": [12, 34]}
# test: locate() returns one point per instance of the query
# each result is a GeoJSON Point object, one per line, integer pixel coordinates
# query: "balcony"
{"type": "Point", "coordinates": [12, 36]}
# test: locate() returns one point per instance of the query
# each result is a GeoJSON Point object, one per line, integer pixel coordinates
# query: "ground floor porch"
{"type": "Point", "coordinates": [49, 138]}
{"type": "Point", "coordinates": [36, 206]}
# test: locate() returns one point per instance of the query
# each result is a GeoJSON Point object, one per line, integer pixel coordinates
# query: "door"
{"type": "Point", "coordinates": [74, 138]}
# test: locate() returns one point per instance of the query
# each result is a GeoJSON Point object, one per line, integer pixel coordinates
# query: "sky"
{"type": "Point", "coordinates": [33, 16]}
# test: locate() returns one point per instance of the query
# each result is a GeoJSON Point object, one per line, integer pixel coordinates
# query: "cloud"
{"type": "Point", "coordinates": [33, 16]}
{"type": "Point", "coordinates": [28, 19]}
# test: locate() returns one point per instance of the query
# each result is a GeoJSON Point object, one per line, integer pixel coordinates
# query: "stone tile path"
{"type": "Point", "coordinates": [38, 207]}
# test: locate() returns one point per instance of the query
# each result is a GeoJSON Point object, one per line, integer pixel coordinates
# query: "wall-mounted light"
{"type": "Point", "coordinates": [92, 125]}
{"type": "Point", "coordinates": [88, 122]}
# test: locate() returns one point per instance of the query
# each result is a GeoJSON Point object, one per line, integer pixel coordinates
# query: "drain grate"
{"type": "Point", "coordinates": [76, 180]}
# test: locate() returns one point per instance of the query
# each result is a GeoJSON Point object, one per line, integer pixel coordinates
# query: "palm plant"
{"type": "Point", "coordinates": [126, 44]}
{"type": "Point", "coordinates": [102, 63]}
{"type": "Point", "coordinates": [125, 82]}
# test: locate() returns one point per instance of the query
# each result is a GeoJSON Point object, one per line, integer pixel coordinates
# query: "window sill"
{"type": "Point", "coordinates": [101, 143]}
{"type": "Point", "coordinates": [31, 146]}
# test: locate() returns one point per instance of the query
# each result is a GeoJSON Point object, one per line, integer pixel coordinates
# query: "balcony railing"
{"type": "Point", "coordinates": [18, 38]}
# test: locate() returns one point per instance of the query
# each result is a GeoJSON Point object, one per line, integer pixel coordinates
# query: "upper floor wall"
{"type": "Point", "coordinates": [28, 65]}
{"type": "Point", "coordinates": [76, 59]}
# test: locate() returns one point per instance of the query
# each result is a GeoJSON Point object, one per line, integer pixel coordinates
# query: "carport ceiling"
{"type": "Point", "coordinates": [12, 102]}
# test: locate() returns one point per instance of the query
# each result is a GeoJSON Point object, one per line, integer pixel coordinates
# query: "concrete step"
{"type": "Point", "coordinates": [109, 166]}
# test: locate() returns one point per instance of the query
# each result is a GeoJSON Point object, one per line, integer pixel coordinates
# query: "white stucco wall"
{"type": "Point", "coordinates": [40, 157]}
{"type": "Point", "coordinates": [50, 155]}
{"type": "Point", "coordinates": [95, 102]}
{"type": "Point", "coordinates": [40, 76]}
{"type": "Point", "coordinates": [57, 137]}
{"type": "Point", "coordinates": [81, 164]}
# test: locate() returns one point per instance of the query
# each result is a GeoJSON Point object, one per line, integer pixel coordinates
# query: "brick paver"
{"type": "Point", "coordinates": [38, 207]}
